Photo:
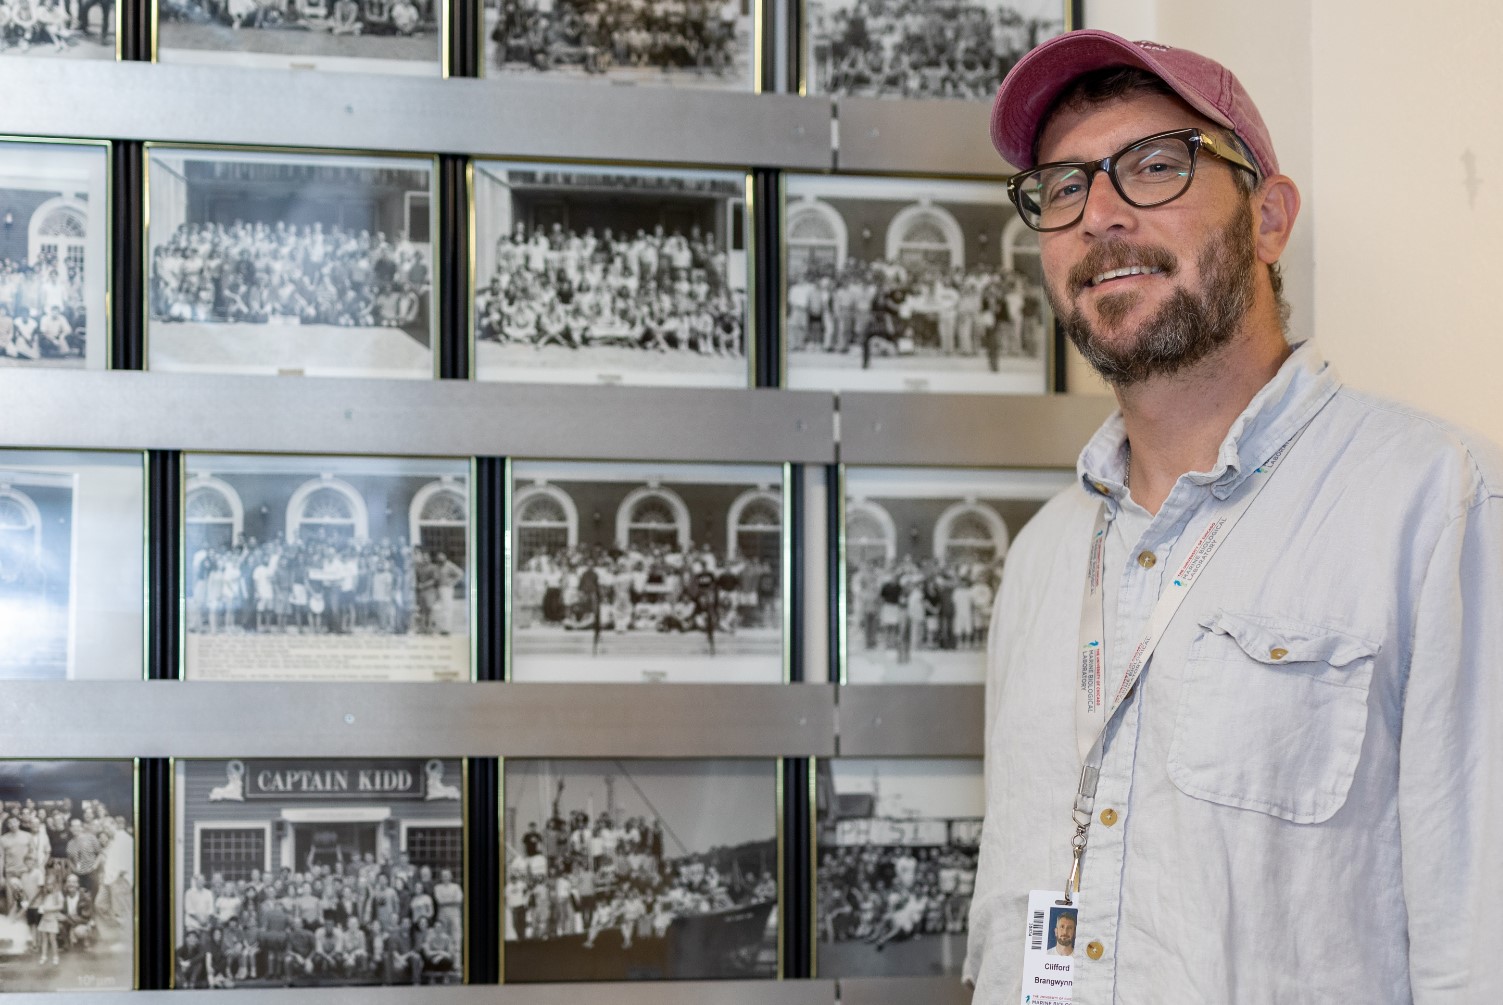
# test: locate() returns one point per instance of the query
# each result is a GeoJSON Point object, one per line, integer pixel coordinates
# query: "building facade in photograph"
{"type": "Point", "coordinates": [36, 572]}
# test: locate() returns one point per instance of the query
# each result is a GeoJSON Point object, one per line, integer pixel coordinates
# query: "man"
{"type": "Point", "coordinates": [1064, 934]}
{"type": "Point", "coordinates": [1297, 603]}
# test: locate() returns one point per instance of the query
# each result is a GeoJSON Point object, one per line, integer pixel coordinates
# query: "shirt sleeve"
{"type": "Point", "coordinates": [1451, 766]}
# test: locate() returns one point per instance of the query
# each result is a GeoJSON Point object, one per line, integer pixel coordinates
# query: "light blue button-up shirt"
{"type": "Point", "coordinates": [1308, 780]}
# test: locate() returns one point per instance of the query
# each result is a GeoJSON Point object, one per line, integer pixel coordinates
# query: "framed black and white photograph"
{"type": "Point", "coordinates": [68, 853]}
{"type": "Point", "coordinates": [326, 568]}
{"type": "Point", "coordinates": [54, 253]}
{"type": "Point", "coordinates": [71, 569]}
{"type": "Point", "coordinates": [682, 43]}
{"type": "Point", "coordinates": [904, 284]}
{"type": "Point", "coordinates": [318, 873]}
{"type": "Point", "coordinates": [59, 29]}
{"type": "Point", "coordinates": [920, 49]}
{"type": "Point", "coordinates": [640, 870]}
{"type": "Point", "coordinates": [290, 263]}
{"type": "Point", "coordinates": [362, 36]}
{"type": "Point", "coordinates": [647, 572]}
{"type": "Point", "coordinates": [895, 865]}
{"type": "Point", "coordinates": [921, 556]}
{"type": "Point", "coordinates": [611, 275]}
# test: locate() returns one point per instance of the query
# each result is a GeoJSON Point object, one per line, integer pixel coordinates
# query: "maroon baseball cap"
{"type": "Point", "coordinates": [1041, 76]}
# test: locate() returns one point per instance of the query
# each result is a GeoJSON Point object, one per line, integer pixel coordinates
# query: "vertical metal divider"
{"type": "Point", "coordinates": [463, 40]}
{"type": "Point", "coordinates": [452, 343]}
{"type": "Point", "coordinates": [483, 870]}
{"type": "Point", "coordinates": [768, 292]}
{"type": "Point", "coordinates": [154, 840]}
{"type": "Point", "coordinates": [132, 28]}
{"type": "Point", "coordinates": [127, 279]}
{"type": "Point", "coordinates": [797, 921]}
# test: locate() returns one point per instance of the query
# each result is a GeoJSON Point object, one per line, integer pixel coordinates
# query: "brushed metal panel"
{"type": "Point", "coordinates": [133, 410]}
{"type": "Point", "coordinates": [506, 118]}
{"type": "Point", "coordinates": [637, 993]}
{"type": "Point", "coordinates": [903, 991]}
{"type": "Point", "coordinates": [917, 137]}
{"type": "Point", "coordinates": [911, 720]}
{"type": "Point", "coordinates": [968, 430]}
{"type": "Point", "coordinates": [224, 719]}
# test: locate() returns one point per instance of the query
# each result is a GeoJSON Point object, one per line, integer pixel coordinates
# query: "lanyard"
{"type": "Point", "coordinates": [1095, 707]}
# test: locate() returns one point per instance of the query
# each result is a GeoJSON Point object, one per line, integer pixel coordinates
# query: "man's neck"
{"type": "Point", "coordinates": [1176, 423]}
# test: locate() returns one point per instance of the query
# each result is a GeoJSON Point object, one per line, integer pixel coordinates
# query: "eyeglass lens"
{"type": "Point", "coordinates": [1147, 174]}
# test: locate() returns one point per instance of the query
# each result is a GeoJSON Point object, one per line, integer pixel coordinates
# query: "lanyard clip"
{"type": "Point", "coordinates": [1077, 852]}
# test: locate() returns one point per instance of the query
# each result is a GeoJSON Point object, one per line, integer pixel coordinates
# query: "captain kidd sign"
{"type": "Point", "coordinates": [327, 781]}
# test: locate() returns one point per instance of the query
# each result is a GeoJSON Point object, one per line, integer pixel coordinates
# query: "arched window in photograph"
{"type": "Point", "coordinates": [970, 532]}
{"type": "Point", "coordinates": [650, 517]}
{"type": "Point", "coordinates": [326, 509]}
{"type": "Point", "coordinates": [213, 516]}
{"type": "Point", "coordinates": [754, 527]}
{"type": "Point", "coordinates": [1020, 250]}
{"type": "Point", "coordinates": [438, 520]}
{"type": "Point", "coordinates": [546, 520]}
{"type": "Point", "coordinates": [59, 228]}
{"type": "Point", "coordinates": [925, 236]}
{"type": "Point", "coordinates": [817, 238]}
{"type": "Point", "coordinates": [20, 534]}
{"type": "Point", "coordinates": [871, 537]}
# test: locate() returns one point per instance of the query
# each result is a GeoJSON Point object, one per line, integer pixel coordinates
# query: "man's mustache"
{"type": "Point", "coordinates": [1120, 255]}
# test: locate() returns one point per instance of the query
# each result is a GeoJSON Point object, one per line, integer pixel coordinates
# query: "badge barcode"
{"type": "Point", "coordinates": [1036, 932]}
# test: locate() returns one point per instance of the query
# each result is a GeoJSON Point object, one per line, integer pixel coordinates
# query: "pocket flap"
{"type": "Point", "coordinates": [1276, 641]}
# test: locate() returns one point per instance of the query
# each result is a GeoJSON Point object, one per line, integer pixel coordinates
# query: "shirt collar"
{"type": "Point", "coordinates": [1285, 404]}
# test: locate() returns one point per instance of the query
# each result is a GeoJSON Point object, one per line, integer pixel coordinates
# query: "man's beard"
{"type": "Point", "coordinates": [1187, 328]}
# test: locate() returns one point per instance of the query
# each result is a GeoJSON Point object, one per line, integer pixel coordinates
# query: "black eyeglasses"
{"type": "Point", "coordinates": [1148, 172]}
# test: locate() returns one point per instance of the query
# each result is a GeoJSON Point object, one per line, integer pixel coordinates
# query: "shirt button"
{"type": "Point", "coordinates": [1094, 949]}
{"type": "Point", "coordinates": [1101, 488]}
{"type": "Point", "coordinates": [1148, 559]}
{"type": "Point", "coordinates": [1277, 653]}
{"type": "Point", "coordinates": [1108, 816]}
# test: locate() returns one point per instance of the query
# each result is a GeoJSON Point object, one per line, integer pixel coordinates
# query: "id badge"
{"type": "Point", "coordinates": [1049, 949]}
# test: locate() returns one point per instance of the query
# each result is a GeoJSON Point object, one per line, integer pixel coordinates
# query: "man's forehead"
{"type": "Point", "coordinates": [1090, 131]}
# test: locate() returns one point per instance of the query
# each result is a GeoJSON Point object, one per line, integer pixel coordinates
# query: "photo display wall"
{"type": "Point", "coordinates": [329, 565]}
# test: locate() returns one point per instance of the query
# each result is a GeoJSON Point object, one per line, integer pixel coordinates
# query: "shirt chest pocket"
{"type": "Point", "coordinates": [1272, 716]}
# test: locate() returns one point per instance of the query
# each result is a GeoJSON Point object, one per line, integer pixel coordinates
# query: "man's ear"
{"type": "Point", "coordinates": [1275, 206]}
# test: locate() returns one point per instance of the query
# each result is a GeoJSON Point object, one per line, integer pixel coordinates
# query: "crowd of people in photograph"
{"type": "Point", "coordinates": [27, 25]}
{"type": "Point", "coordinates": [42, 308]}
{"type": "Point", "coordinates": [905, 605]}
{"type": "Point", "coordinates": [258, 272]}
{"type": "Point", "coordinates": [361, 921]}
{"type": "Point", "coordinates": [695, 36]}
{"type": "Point", "coordinates": [645, 588]}
{"type": "Point", "coordinates": [922, 48]}
{"type": "Point", "coordinates": [585, 876]}
{"type": "Point", "coordinates": [655, 291]}
{"type": "Point", "coordinates": [69, 878]}
{"type": "Point", "coordinates": [338, 17]}
{"type": "Point", "coordinates": [321, 585]}
{"type": "Point", "coordinates": [879, 894]}
{"type": "Point", "coordinates": [884, 308]}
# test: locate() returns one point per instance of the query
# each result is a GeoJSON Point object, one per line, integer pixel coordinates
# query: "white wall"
{"type": "Point", "coordinates": [1404, 95]}
{"type": "Point", "coordinates": [1364, 97]}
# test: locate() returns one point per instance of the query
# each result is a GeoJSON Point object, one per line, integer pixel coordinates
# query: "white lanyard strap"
{"type": "Point", "coordinates": [1095, 707]}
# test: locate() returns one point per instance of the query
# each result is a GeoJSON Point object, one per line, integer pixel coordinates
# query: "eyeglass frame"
{"type": "Point", "coordinates": [1196, 139]}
